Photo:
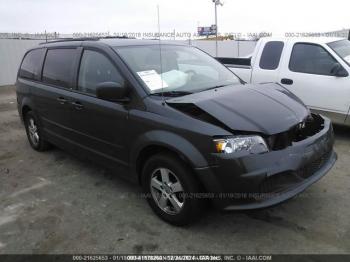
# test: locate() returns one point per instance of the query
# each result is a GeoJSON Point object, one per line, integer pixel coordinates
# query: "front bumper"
{"type": "Point", "coordinates": [257, 181]}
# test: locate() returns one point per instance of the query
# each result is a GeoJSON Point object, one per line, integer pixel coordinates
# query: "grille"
{"type": "Point", "coordinates": [280, 182]}
{"type": "Point", "coordinates": [313, 166]}
{"type": "Point", "coordinates": [312, 125]}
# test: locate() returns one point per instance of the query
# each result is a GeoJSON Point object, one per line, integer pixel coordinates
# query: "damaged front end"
{"type": "Point", "coordinates": [296, 159]}
{"type": "Point", "coordinates": [277, 148]}
{"type": "Point", "coordinates": [309, 127]}
{"type": "Point", "coordinates": [314, 156]}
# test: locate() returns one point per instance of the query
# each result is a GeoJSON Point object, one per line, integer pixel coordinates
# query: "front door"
{"type": "Point", "coordinates": [308, 74]}
{"type": "Point", "coordinates": [99, 126]}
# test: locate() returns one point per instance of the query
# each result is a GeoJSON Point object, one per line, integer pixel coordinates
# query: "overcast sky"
{"type": "Point", "coordinates": [69, 16]}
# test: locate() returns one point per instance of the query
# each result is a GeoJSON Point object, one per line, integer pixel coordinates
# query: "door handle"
{"type": "Point", "coordinates": [77, 105]}
{"type": "Point", "coordinates": [286, 81]}
{"type": "Point", "coordinates": [62, 100]}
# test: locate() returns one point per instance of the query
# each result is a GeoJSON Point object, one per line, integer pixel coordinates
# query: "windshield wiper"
{"type": "Point", "coordinates": [173, 93]}
{"type": "Point", "coordinates": [214, 87]}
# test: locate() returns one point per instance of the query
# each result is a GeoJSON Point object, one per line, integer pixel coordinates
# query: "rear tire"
{"type": "Point", "coordinates": [171, 189]}
{"type": "Point", "coordinates": [34, 132]}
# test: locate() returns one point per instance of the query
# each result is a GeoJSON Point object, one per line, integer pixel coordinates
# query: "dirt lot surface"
{"type": "Point", "coordinates": [54, 203]}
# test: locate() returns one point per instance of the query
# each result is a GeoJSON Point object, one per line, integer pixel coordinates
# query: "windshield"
{"type": "Point", "coordinates": [342, 48]}
{"type": "Point", "coordinates": [183, 69]}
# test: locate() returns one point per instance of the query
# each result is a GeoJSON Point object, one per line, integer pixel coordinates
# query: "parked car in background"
{"type": "Point", "coordinates": [314, 69]}
{"type": "Point", "coordinates": [174, 120]}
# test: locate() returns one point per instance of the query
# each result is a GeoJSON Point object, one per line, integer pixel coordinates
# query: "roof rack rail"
{"type": "Point", "coordinates": [84, 39]}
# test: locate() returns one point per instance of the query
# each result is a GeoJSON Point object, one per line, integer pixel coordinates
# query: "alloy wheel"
{"type": "Point", "coordinates": [33, 132]}
{"type": "Point", "coordinates": [167, 191]}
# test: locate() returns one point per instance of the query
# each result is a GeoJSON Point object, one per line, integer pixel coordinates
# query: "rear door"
{"type": "Point", "coordinates": [267, 62]}
{"type": "Point", "coordinates": [308, 74]}
{"type": "Point", "coordinates": [99, 125]}
{"type": "Point", "coordinates": [52, 94]}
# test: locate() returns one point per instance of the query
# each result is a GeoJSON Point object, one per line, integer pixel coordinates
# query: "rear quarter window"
{"type": "Point", "coordinates": [271, 55]}
{"type": "Point", "coordinates": [59, 67]}
{"type": "Point", "coordinates": [31, 65]}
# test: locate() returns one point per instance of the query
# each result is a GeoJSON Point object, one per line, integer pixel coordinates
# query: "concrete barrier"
{"type": "Point", "coordinates": [11, 54]}
{"type": "Point", "coordinates": [12, 51]}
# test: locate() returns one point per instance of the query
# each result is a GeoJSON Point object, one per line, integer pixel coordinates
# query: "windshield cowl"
{"type": "Point", "coordinates": [172, 93]}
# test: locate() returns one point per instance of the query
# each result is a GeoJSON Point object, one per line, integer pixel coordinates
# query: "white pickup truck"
{"type": "Point", "coordinates": [315, 69]}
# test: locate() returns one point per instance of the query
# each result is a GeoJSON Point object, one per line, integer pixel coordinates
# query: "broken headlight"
{"type": "Point", "coordinates": [250, 144]}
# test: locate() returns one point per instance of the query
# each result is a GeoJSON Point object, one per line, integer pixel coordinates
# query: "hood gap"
{"type": "Point", "coordinates": [194, 111]}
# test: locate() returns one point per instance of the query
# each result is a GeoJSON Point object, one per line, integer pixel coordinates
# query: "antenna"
{"type": "Point", "coordinates": [160, 55]}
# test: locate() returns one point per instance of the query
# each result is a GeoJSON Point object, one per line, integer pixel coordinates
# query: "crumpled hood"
{"type": "Point", "coordinates": [267, 108]}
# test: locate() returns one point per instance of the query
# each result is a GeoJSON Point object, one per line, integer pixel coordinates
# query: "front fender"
{"type": "Point", "coordinates": [170, 141]}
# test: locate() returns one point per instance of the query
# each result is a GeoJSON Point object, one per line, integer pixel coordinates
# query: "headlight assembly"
{"type": "Point", "coordinates": [250, 144]}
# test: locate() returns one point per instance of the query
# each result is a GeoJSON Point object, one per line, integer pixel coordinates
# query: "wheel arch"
{"type": "Point", "coordinates": [26, 106]}
{"type": "Point", "coordinates": [163, 141]}
{"type": "Point", "coordinates": [24, 111]}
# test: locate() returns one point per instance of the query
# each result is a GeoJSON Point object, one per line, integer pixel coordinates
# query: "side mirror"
{"type": "Point", "coordinates": [339, 71]}
{"type": "Point", "coordinates": [112, 91]}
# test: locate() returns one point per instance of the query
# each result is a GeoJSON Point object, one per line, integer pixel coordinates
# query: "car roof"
{"type": "Point", "coordinates": [112, 42]}
{"type": "Point", "coordinates": [317, 40]}
{"type": "Point", "coordinates": [128, 42]}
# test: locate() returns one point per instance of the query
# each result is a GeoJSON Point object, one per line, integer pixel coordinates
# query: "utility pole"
{"type": "Point", "coordinates": [216, 3]}
{"type": "Point", "coordinates": [216, 33]}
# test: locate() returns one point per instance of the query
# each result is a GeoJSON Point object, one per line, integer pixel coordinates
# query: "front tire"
{"type": "Point", "coordinates": [171, 189]}
{"type": "Point", "coordinates": [34, 132]}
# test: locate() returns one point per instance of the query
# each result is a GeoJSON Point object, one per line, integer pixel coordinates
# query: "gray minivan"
{"type": "Point", "coordinates": [176, 121]}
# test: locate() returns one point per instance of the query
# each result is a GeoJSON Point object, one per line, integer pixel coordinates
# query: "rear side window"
{"type": "Point", "coordinates": [311, 59]}
{"type": "Point", "coordinates": [31, 65]}
{"type": "Point", "coordinates": [95, 68]}
{"type": "Point", "coordinates": [271, 55]}
{"type": "Point", "coordinates": [59, 67]}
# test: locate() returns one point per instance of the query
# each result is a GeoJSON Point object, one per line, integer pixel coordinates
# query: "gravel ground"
{"type": "Point", "coordinates": [55, 203]}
